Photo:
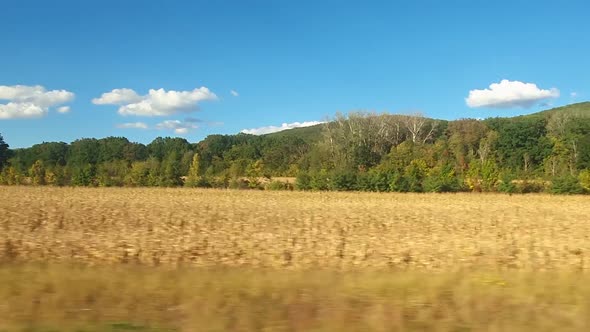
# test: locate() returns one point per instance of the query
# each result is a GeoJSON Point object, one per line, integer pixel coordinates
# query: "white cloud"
{"type": "Point", "coordinates": [574, 95]}
{"type": "Point", "coordinates": [64, 109]}
{"type": "Point", "coordinates": [132, 125]}
{"type": "Point", "coordinates": [509, 94]}
{"type": "Point", "coordinates": [284, 126]}
{"type": "Point", "coordinates": [234, 93]}
{"type": "Point", "coordinates": [30, 101]}
{"type": "Point", "coordinates": [118, 97]}
{"type": "Point", "coordinates": [178, 126]}
{"type": "Point", "coordinates": [157, 102]}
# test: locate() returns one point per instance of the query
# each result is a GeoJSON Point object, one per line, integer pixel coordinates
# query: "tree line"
{"type": "Point", "coordinates": [360, 151]}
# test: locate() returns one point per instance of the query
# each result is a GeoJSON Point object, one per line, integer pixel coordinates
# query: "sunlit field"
{"type": "Point", "coordinates": [211, 260]}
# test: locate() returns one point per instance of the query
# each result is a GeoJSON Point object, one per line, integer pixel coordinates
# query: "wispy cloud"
{"type": "Point", "coordinates": [179, 127]}
{"type": "Point", "coordinates": [132, 125]}
{"type": "Point", "coordinates": [284, 126]}
{"type": "Point", "coordinates": [64, 109]}
{"type": "Point", "coordinates": [509, 94]}
{"type": "Point", "coordinates": [157, 102]}
{"type": "Point", "coordinates": [193, 120]}
{"type": "Point", "coordinates": [31, 101]}
{"type": "Point", "coordinates": [234, 93]}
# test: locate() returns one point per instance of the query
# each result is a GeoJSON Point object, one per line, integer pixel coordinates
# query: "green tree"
{"type": "Point", "coordinates": [50, 178]}
{"type": "Point", "coordinates": [482, 176]}
{"type": "Point", "coordinates": [522, 143]}
{"type": "Point", "coordinates": [193, 178]}
{"type": "Point", "coordinates": [137, 175]}
{"type": "Point", "coordinates": [320, 180]}
{"type": "Point", "coordinates": [4, 152]}
{"type": "Point", "coordinates": [112, 173]}
{"type": "Point", "coordinates": [37, 173]}
{"type": "Point", "coordinates": [111, 149]}
{"type": "Point", "coordinates": [303, 181]}
{"type": "Point", "coordinates": [172, 176]}
{"type": "Point", "coordinates": [585, 179]}
{"type": "Point", "coordinates": [342, 180]}
{"type": "Point", "coordinates": [566, 184]}
{"type": "Point", "coordinates": [464, 140]}
{"type": "Point", "coordinates": [83, 152]}
{"type": "Point", "coordinates": [185, 162]}
{"type": "Point", "coordinates": [255, 171]}
{"type": "Point", "coordinates": [83, 175]}
{"type": "Point", "coordinates": [154, 172]}
{"type": "Point", "coordinates": [63, 176]}
{"type": "Point", "coordinates": [161, 148]}
{"type": "Point", "coordinates": [441, 179]}
{"type": "Point", "coordinates": [11, 176]}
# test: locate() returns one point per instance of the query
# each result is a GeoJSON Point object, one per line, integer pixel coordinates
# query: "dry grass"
{"type": "Point", "coordinates": [70, 298]}
{"type": "Point", "coordinates": [79, 259]}
{"type": "Point", "coordinates": [294, 230]}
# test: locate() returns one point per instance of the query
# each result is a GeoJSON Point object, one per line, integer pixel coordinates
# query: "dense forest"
{"type": "Point", "coordinates": [546, 151]}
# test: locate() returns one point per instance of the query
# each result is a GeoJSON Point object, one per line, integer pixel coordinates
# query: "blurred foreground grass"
{"type": "Point", "coordinates": [55, 297]}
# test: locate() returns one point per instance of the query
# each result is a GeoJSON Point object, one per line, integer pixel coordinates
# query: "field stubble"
{"type": "Point", "coordinates": [294, 230]}
{"type": "Point", "coordinates": [209, 260]}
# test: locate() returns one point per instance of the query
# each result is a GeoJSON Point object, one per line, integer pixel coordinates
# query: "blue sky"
{"type": "Point", "coordinates": [288, 61]}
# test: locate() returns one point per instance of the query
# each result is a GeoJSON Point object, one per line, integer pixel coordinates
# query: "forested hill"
{"type": "Point", "coordinates": [549, 151]}
{"type": "Point", "coordinates": [581, 110]}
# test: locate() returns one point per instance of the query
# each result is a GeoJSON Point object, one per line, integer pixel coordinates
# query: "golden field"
{"type": "Point", "coordinates": [294, 230]}
{"type": "Point", "coordinates": [86, 259]}
{"type": "Point", "coordinates": [39, 298]}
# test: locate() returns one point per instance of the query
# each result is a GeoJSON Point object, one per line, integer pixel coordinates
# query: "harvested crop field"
{"type": "Point", "coordinates": [294, 230]}
{"type": "Point", "coordinates": [42, 298]}
{"type": "Point", "coordinates": [83, 259]}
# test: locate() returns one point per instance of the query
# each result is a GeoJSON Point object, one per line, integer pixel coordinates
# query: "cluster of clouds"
{"type": "Point", "coordinates": [510, 94]}
{"type": "Point", "coordinates": [157, 102]}
{"type": "Point", "coordinates": [177, 126]}
{"type": "Point", "coordinates": [22, 101]}
{"type": "Point", "coordinates": [35, 102]}
{"type": "Point", "coordinates": [32, 101]}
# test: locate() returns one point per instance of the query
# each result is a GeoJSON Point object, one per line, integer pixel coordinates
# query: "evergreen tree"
{"type": "Point", "coordinates": [172, 171]}
{"type": "Point", "coordinates": [4, 152]}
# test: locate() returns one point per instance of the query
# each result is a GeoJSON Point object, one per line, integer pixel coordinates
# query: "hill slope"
{"type": "Point", "coordinates": [578, 110]}
{"type": "Point", "coordinates": [308, 134]}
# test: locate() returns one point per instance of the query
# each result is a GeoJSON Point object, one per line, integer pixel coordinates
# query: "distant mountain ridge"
{"type": "Point", "coordinates": [314, 133]}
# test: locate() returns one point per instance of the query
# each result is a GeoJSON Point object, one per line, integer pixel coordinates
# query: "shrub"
{"type": "Point", "coordinates": [585, 180]}
{"type": "Point", "coordinates": [506, 184]}
{"type": "Point", "coordinates": [373, 180]}
{"type": "Point", "coordinates": [343, 181]}
{"type": "Point", "coordinates": [398, 183]}
{"type": "Point", "coordinates": [320, 180]}
{"type": "Point", "coordinates": [203, 182]}
{"type": "Point", "coordinates": [414, 175]}
{"type": "Point", "coordinates": [303, 181]}
{"type": "Point", "coordinates": [566, 185]}
{"type": "Point", "coordinates": [441, 179]}
{"type": "Point", "coordinates": [529, 187]}
{"type": "Point", "coordinates": [276, 185]}
{"type": "Point", "coordinates": [236, 183]}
